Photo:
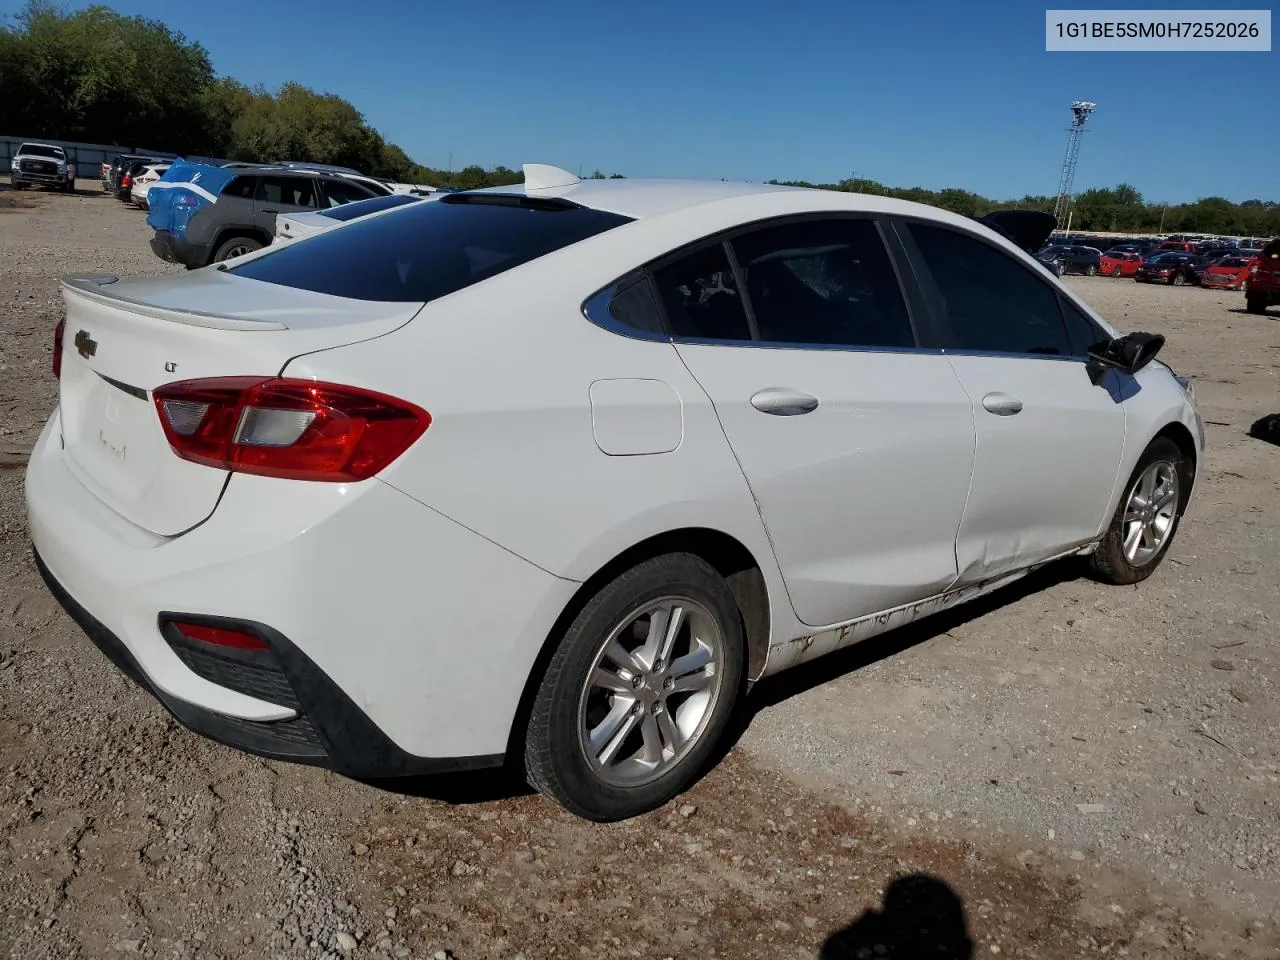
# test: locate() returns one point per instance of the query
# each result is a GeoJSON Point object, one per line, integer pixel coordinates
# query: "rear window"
{"type": "Point", "coordinates": [429, 250]}
{"type": "Point", "coordinates": [362, 208]}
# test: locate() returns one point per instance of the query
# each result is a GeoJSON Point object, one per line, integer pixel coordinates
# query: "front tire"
{"type": "Point", "coordinates": [1255, 304]}
{"type": "Point", "coordinates": [1178, 280]}
{"type": "Point", "coordinates": [1091, 271]}
{"type": "Point", "coordinates": [639, 691]}
{"type": "Point", "coordinates": [1147, 517]}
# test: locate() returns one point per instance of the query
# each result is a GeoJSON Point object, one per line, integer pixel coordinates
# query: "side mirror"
{"type": "Point", "coordinates": [1128, 354]}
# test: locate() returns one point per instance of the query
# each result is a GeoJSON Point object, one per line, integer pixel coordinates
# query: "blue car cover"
{"type": "Point", "coordinates": [184, 189]}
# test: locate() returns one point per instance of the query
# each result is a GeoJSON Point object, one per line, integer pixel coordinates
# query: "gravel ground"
{"type": "Point", "coordinates": [1061, 770]}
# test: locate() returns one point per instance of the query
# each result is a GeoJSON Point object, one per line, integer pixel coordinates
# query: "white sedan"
{"type": "Point", "coordinates": [547, 475]}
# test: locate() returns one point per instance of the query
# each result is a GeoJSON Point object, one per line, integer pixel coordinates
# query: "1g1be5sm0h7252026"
{"type": "Point", "coordinates": [550, 473]}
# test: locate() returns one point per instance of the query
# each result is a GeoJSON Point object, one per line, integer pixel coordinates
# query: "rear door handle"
{"type": "Point", "coordinates": [782, 402]}
{"type": "Point", "coordinates": [1001, 404]}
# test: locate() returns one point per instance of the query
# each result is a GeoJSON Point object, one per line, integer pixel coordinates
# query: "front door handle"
{"type": "Point", "coordinates": [1001, 404]}
{"type": "Point", "coordinates": [782, 402]}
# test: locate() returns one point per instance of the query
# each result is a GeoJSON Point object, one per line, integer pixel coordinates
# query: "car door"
{"type": "Point", "coordinates": [857, 444]}
{"type": "Point", "coordinates": [1048, 440]}
{"type": "Point", "coordinates": [282, 194]}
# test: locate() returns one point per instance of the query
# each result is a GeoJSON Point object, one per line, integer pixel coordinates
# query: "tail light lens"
{"type": "Point", "coordinates": [58, 332]}
{"type": "Point", "coordinates": [290, 428]}
{"type": "Point", "coordinates": [126, 180]}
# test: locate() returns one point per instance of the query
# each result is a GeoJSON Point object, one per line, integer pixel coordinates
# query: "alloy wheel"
{"type": "Point", "coordinates": [651, 691]}
{"type": "Point", "coordinates": [1150, 513]}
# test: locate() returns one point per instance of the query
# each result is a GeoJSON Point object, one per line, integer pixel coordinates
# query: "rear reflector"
{"type": "Point", "coordinates": [219, 636]}
{"type": "Point", "coordinates": [58, 332]}
{"type": "Point", "coordinates": [281, 427]}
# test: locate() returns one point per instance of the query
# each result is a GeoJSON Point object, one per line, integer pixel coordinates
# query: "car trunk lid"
{"type": "Point", "coordinates": [123, 339]}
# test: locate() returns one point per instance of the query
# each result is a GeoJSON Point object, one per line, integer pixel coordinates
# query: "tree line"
{"type": "Point", "coordinates": [97, 76]}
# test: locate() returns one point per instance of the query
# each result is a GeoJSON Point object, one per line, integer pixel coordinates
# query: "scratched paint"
{"type": "Point", "coordinates": [811, 646]}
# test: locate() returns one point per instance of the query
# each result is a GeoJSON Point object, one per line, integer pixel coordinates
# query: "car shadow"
{"type": "Point", "coordinates": [921, 916]}
{"type": "Point", "coordinates": [487, 786]}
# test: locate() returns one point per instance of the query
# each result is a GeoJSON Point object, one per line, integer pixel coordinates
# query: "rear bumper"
{"type": "Point", "coordinates": [179, 250]}
{"type": "Point", "coordinates": [404, 641]}
{"type": "Point", "coordinates": [328, 731]}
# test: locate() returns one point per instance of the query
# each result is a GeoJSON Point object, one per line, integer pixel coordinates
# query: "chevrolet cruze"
{"type": "Point", "coordinates": [549, 475]}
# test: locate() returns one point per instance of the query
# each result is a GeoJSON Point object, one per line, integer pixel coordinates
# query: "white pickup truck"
{"type": "Point", "coordinates": [42, 165]}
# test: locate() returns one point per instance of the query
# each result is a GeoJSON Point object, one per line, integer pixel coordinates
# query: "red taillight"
{"type": "Point", "coordinates": [125, 181]}
{"type": "Point", "coordinates": [221, 636]}
{"type": "Point", "coordinates": [57, 347]}
{"type": "Point", "coordinates": [281, 427]}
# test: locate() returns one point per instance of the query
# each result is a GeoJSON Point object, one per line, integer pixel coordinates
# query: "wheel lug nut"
{"type": "Point", "coordinates": [668, 683]}
{"type": "Point", "coordinates": [636, 708]}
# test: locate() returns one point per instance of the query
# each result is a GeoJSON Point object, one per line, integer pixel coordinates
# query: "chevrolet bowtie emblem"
{"type": "Point", "coordinates": [86, 344]}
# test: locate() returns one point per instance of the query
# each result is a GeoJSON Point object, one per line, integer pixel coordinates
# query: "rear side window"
{"type": "Point", "coordinates": [428, 250]}
{"type": "Point", "coordinates": [367, 205]}
{"type": "Point", "coordinates": [991, 301]}
{"type": "Point", "coordinates": [241, 187]}
{"type": "Point", "coordinates": [701, 298]}
{"type": "Point", "coordinates": [823, 282]}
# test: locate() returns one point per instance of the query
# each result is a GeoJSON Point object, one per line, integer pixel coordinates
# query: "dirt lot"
{"type": "Point", "coordinates": [1065, 770]}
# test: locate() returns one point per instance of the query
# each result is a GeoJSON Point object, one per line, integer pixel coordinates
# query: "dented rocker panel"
{"type": "Point", "coordinates": [783, 656]}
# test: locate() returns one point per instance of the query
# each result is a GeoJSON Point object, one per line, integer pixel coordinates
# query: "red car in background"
{"type": "Point", "coordinates": [1119, 263]}
{"type": "Point", "coordinates": [1227, 273]}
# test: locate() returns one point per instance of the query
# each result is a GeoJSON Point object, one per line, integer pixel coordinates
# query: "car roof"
{"type": "Point", "coordinates": [641, 199]}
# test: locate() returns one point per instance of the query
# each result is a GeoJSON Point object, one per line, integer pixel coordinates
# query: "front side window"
{"type": "Point", "coordinates": [991, 302]}
{"type": "Point", "coordinates": [1081, 330]}
{"type": "Point", "coordinates": [823, 281]}
{"type": "Point", "coordinates": [701, 298]}
{"type": "Point", "coordinates": [337, 192]}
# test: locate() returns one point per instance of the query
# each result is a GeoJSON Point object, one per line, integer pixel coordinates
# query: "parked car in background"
{"type": "Point", "coordinates": [232, 211]}
{"type": "Point", "coordinates": [1226, 273]}
{"type": "Point", "coordinates": [1071, 259]}
{"type": "Point", "coordinates": [1171, 267]}
{"type": "Point", "coordinates": [1143, 249]}
{"type": "Point", "coordinates": [295, 226]}
{"type": "Point", "coordinates": [128, 172]}
{"type": "Point", "coordinates": [507, 475]}
{"type": "Point", "coordinates": [142, 181]}
{"type": "Point", "coordinates": [1262, 286]}
{"type": "Point", "coordinates": [42, 165]}
{"type": "Point", "coordinates": [1119, 263]}
{"type": "Point", "coordinates": [119, 166]}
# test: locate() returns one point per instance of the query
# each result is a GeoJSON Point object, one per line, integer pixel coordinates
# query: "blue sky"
{"type": "Point", "coordinates": [932, 93]}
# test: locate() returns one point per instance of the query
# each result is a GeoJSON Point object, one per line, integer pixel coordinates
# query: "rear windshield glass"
{"type": "Point", "coordinates": [429, 249]}
{"type": "Point", "coordinates": [350, 211]}
{"type": "Point", "coordinates": [35, 150]}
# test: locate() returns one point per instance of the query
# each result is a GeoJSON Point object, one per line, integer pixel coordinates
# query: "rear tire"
{"type": "Point", "coordinates": [612, 736]}
{"type": "Point", "coordinates": [1115, 271]}
{"type": "Point", "coordinates": [1255, 304]}
{"type": "Point", "coordinates": [1147, 518]}
{"type": "Point", "coordinates": [1091, 271]}
{"type": "Point", "coordinates": [1178, 280]}
{"type": "Point", "coordinates": [236, 247]}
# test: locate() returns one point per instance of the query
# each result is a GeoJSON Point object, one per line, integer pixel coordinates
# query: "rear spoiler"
{"type": "Point", "coordinates": [94, 288]}
{"type": "Point", "coordinates": [1026, 229]}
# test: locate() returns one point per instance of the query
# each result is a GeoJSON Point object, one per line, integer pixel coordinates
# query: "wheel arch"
{"type": "Point", "coordinates": [726, 553]}
{"type": "Point", "coordinates": [1179, 433]}
{"type": "Point", "coordinates": [226, 233]}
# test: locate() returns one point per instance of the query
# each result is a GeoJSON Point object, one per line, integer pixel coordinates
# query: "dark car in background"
{"type": "Point", "coordinates": [241, 217]}
{"type": "Point", "coordinates": [1262, 286]}
{"type": "Point", "coordinates": [1172, 267]}
{"type": "Point", "coordinates": [1071, 259]}
{"type": "Point", "coordinates": [119, 167]}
